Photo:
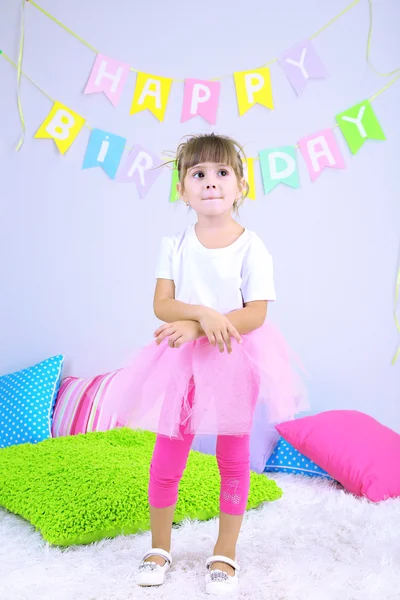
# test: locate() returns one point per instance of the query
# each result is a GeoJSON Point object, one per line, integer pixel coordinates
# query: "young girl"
{"type": "Point", "coordinates": [213, 358]}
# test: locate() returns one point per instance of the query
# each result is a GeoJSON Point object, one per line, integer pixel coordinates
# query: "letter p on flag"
{"type": "Point", "coordinates": [200, 98]}
{"type": "Point", "coordinates": [253, 87]}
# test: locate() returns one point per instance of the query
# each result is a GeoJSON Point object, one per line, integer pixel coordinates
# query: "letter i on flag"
{"type": "Point", "coordinates": [359, 124]}
{"type": "Point", "coordinates": [108, 76]}
{"type": "Point", "coordinates": [104, 150]}
{"type": "Point", "coordinates": [61, 125]}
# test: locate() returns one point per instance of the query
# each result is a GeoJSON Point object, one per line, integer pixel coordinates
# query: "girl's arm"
{"type": "Point", "coordinates": [169, 310]}
{"type": "Point", "coordinates": [217, 327]}
{"type": "Point", "coordinates": [249, 318]}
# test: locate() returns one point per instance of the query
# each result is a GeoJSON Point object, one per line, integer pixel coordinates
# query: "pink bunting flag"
{"type": "Point", "coordinates": [320, 150]}
{"type": "Point", "coordinates": [200, 98]}
{"type": "Point", "coordinates": [109, 76]}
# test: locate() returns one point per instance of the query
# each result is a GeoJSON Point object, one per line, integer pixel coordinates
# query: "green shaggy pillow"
{"type": "Point", "coordinates": [80, 489]}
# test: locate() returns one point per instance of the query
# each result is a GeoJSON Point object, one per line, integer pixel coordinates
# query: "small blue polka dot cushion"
{"type": "Point", "coordinates": [27, 401]}
{"type": "Point", "coordinates": [286, 459]}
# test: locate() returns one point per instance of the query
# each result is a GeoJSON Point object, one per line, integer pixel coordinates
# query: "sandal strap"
{"type": "Point", "coordinates": [223, 559]}
{"type": "Point", "coordinates": [158, 552]}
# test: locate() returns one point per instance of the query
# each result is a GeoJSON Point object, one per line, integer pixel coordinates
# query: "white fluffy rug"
{"type": "Point", "coordinates": [316, 543]}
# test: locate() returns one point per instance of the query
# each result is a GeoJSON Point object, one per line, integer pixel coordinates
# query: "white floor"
{"type": "Point", "coordinates": [316, 543]}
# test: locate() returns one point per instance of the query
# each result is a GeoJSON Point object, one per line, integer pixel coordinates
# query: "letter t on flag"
{"type": "Point", "coordinates": [108, 76]}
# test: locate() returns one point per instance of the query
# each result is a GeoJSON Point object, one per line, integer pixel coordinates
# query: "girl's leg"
{"type": "Point", "coordinates": [233, 456]}
{"type": "Point", "coordinates": [166, 470]}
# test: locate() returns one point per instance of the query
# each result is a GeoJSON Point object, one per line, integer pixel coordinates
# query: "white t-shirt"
{"type": "Point", "coordinates": [222, 279]}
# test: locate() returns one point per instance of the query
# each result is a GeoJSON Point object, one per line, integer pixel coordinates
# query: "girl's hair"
{"type": "Point", "coordinates": [211, 148]}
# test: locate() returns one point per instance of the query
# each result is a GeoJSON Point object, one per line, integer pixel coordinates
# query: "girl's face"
{"type": "Point", "coordinates": [211, 188]}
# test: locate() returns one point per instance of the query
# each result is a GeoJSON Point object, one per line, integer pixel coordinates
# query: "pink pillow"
{"type": "Point", "coordinates": [354, 448]}
{"type": "Point", "coordinates": [78, 407]}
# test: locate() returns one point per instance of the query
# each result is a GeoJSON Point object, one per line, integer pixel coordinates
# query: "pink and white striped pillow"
{"type": "Point", "coordinates": [79, 403]}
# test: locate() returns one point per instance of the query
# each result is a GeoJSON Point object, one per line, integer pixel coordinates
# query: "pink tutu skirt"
{"type": "Point", "coordinates": [199, 390]}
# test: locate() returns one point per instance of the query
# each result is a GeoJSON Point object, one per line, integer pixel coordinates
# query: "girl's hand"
{"type": "Point", "coordinates": [219, 329]}
{"type": "Point", "coordinates": [178, 333]}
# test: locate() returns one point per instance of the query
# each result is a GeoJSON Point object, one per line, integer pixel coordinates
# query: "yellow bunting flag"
{"type": "Point", "coordinates": [151, 92]}
{"type": "Point", "coordinates": [248, 165]}
{"type": "Point", "coordinates": [250, 179]}
{"type": "Point", "coordinates": [253, 87]}
{"type": "Point", "coordinates": [61, 125]}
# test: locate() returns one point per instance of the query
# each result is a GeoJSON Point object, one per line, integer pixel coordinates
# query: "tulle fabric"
{"type": "Point", "coordinates": [153, 392]}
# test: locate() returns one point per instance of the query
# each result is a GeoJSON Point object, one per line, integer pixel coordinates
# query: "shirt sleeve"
{"type": "Point", "coordinates": [164, 263]}
{"type": "Point", "coordinates": [258, 274]}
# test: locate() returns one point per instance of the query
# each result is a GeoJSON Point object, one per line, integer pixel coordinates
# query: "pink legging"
{"type": "Point", "coordinates": [169, 462]}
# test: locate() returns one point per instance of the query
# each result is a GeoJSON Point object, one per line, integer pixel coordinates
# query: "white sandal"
{"type": "Point", "coordinates": [218, 582]}
{"type": "Point", "coordinates": [150, 573]}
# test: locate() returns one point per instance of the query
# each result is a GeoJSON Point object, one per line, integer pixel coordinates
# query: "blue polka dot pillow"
{"type": "Point", "coordinates": [27, 401]}
{"type": "Point", "coordinates": [286, 459]}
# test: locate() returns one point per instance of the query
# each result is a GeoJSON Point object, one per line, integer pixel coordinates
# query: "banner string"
{"type": "Point", "coordinates": [19, 72]}
{"type": "Point", "coordinates": [390, 73]}
{"type": "Point", "coordinates": [67, 29]}
{"type": "Point", "coordinates": [274, 60]}
{"type": "Point", "coordinates": [83, 41]}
